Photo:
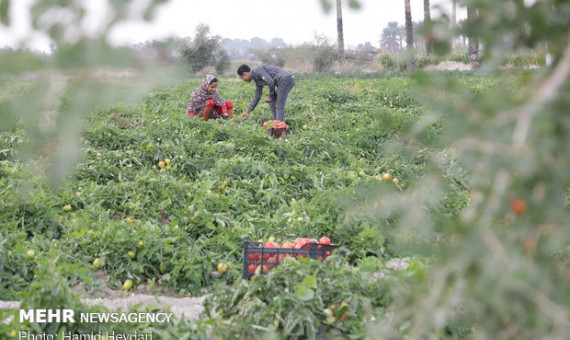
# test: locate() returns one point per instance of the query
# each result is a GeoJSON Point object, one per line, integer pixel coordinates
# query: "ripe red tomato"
{"type": "Point", "coordinates": [272, 245]}
{"type": "Point", "coordinates": [296, 242]}
{"type": "Point", "coordinates": [268, 266]}
{"type": "Point", "coordinates": [309, 240]}
{"type": "Point", "coordinates": [324, 240]}
{"type": "Point", "coordinates": [267, 255]}
{"type": "Point", "coordinates": [286, 245]}
{"type": "Point", "coordinates": [254, 257]}
{"type": "Point", "coordinates": [518, 206]}
{"type": "Point", "coordinates": [302, 243]}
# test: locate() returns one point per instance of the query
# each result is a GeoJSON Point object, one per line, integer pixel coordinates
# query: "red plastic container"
{"type": "Point", "coordinates": [278, 132]}
{"type": "Point", "coordinates": [256, 255]}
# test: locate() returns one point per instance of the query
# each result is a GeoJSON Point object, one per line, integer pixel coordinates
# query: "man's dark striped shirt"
{"type": "Point", "coordinates": [266, 75]}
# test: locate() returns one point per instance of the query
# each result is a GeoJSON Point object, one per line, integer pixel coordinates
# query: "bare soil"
{"type": "Point", "coordinates": [187, 307]}
{"type": "Point", "coordinates": [448, 66]}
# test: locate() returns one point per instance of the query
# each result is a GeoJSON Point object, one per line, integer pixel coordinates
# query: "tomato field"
{"type": "Point", "coordinates": [123, 214]}
{"type": "Point", "coordinates": [165, 200]}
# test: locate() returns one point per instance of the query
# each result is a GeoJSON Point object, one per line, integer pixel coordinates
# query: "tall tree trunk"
{"type": "Point", "coordinates": [409, 35]}
{"type": "Point", "coordinates": [453, 13]}
{"type": "Point", "coordinates": [427, 20]}
{"type": "Point", "coordinates": [339, 28]}
{"type": "Point", "coordinates": [473, 40]}
{"type": "Point", "coordinates": [453, 21]}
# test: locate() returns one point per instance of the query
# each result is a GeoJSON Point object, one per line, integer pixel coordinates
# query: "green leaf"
{"type": "Point", "coordinates": [419, 268]}
{"type": "Point", "coordinates": [354, 4]}
{"type": "Point", "coordinates": [304, 293]}
{"type": "Point", "coordinates": [341, 311]}
{"type": "Point", "coordinates": [327, 5]}
{"type": "Point", "coordinates": [309, 282]}
{"type": "Point", "coordinates": [5, 12]}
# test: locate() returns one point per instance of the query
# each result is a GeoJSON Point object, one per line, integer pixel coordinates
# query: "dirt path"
{"type": "Point", "coordinates": [186, 307]}
{"type": "Point", "coordinates": [448, 66]}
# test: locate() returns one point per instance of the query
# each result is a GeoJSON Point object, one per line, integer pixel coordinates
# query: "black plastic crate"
{"type": "Point", "coordinates": [256, 255]}
{"type": "Point", "coordinates": [278, 132]}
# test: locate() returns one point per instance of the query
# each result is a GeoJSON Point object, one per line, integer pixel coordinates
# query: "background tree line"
{"type": "Point", "coordinates": [420, 39]}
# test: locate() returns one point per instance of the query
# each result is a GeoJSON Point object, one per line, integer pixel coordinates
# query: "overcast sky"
{"type": "Point", "coordinates": [294, 21]}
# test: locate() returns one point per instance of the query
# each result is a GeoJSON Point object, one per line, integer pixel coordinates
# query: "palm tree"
{"type": "Point", "coordinates": [339, 28]}
{"type": "Point", "coordinates": [390, 39]}
{"type": "Point", "coordinates": [427, 20]}
{"type": "Point", "coordinates": [473, 41]}
{"type": "Point", "coordinates": [409, 35]}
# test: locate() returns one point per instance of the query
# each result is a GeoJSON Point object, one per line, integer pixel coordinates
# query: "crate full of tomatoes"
{"type": "Point", "coordinates": [276, 128]}
{"type": "Point", "coordinates": [270, 254]}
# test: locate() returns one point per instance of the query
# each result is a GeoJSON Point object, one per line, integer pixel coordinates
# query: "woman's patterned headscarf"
{"type": "Point", "coordinates": [201, 96]}
{"type": "Point", "coordinates": [206, 82]}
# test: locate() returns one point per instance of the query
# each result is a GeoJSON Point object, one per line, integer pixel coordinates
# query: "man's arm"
{"type": "Point", "coordinates": [256, 98]}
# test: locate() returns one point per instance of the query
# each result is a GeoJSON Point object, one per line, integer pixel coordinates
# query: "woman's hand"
{"type": "Point", "coordinates": [268, 100]}
{"type": "Point", "coordinates": [245, 114]}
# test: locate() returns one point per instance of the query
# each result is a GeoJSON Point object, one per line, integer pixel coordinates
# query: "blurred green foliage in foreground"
{"type": "Point", "coordinates": [500, 270]}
